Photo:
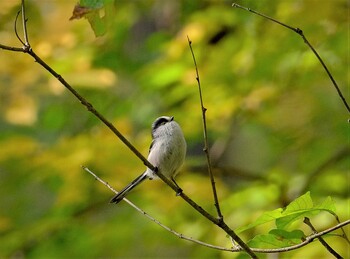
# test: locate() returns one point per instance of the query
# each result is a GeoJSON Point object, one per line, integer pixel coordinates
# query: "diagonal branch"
{"type": "Point", "coordinates": [300, 32]}
{"type": "Point", "coordinates": [27, 49]}
{"type": "Point", "coordinates": [307, 240]}
{"type": "Point", "coordinates": [219, 222]}
{"type": "Point", "coordinates": [179, 235]}
{"type": "Point", "coordinates": [322, 241]}
{"type": "Point", "coordinates": [90, 108]}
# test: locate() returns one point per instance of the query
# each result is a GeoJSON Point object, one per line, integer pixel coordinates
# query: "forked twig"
{"type": "Point", "coordinates": [27, 49]}
{"type": "Point", "coordinates": [300, 32]}
{"type": "Point", "coordinates": [219, 222]}
{"type": "Point", "coordinates": [206, 146]}
{"type": "Point", "coordinates": [158, 222]}
{"type": "Point", "coordinates": [322, 241]}
{"type": "Point", "coordinates": [308, 239]}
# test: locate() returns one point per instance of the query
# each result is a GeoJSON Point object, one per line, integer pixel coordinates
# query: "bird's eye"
{"type": "Point", "coordinates": [159, 122]}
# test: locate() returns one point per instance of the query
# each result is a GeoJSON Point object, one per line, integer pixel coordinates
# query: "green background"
{"type": "Point", "coordinates": [276, 126]}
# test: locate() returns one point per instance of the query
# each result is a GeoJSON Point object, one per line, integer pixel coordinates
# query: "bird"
{"type": "Point", "coordinates": [166, 153]}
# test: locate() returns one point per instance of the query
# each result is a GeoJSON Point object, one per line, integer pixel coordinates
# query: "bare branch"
{"type": "Point", "coordinates": [179, 235]}
{"type": "Point", "coordinates": [90, 108]}
{"type": "Point", "coordinates": [300, 32]}
{"type": "Point", "coordinates": [206, 146]}
{"type": "Point", "coordinates": [322, 241]}
{"type": "Point", "coordinates": [11, 48]}
{"type": "Point", "coordinates": [307, 240]}
{"type": "Point", "coordinates": [84, 102]}
{"type": "Point", "coordinates": [220, 221]}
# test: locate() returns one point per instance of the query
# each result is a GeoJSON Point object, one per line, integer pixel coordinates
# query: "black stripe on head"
{"type": "Point", "coordinates": [161, 121]}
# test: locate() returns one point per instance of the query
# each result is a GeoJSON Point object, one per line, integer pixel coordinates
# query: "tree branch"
{"type": "Point", "coordinates": [27, 49]}
{"type": "Point", "coordinates": [220, 221]}
{"type": "Point", "coordinates": [206, 146]}
{"type": "Point", "coordinates": [322, 241]}
{"type": "Point", "coordinates": [179, 235]}
{"type": "Point", "coordinates": [307, 240]}
{"type": "Point", "coordinates": [300, 32]}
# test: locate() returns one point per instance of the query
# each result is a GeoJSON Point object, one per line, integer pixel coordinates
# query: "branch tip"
{"type": "Point", "coordinates": [300, 32]}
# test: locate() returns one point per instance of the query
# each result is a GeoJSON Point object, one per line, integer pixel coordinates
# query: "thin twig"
{"type": "Point", "coordinates": [15, 28]}
{"type": "Point", "coordinates": [322, 241]}
{"type": "Point", "coordinates": [206, 146]}
{"type": "Point", "coordinates": [158, 222]}
{"type": "Point", "coordinates": [24, 21]}
{"type": "Point", "coordinates": [83, 101]}
{"type": "Point", "coordinates": [11, 48]}
{"type": "Point", "coordinates": [91, 109]}
{"type": "Point", "coordinates": [300, 32]}
{"type": "Point", "coordinates": [27, 49]}
{"type": "Point", "coordinates": [308, 240]}
{"type": "Point", "coordinates": [343, 231]}
{"type": "Point", "coordinates": [243, 247]}
{"type": "Point", "coordinates": [220, 221]}
{"type": "Point", "coordinates": [236, 248]}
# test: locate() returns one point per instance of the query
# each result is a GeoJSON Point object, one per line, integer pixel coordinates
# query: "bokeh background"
{"type": "Point", "coordinates": [277, 127]}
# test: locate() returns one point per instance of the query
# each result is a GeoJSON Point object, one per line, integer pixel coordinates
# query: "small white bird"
{"type": "Point", "coordinates": [167, 153]}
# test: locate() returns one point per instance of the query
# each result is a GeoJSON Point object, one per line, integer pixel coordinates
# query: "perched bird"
{"type": "Point", "coordinates": [167, 153]}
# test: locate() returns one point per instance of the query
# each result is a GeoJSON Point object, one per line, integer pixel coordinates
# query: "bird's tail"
{"type": "Point", "coordinates": [128, 188]}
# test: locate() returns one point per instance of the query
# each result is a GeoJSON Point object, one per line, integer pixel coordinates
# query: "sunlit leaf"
{"type": "Point", "coordinates": [264, 218]}
{"type": "Point", "coordinates": [297, 209]}
{"type": "Point", "coordinates": [303, 207]}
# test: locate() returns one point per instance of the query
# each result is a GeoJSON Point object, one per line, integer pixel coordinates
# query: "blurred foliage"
{"type": "Point", "coordinates": [277, 127]}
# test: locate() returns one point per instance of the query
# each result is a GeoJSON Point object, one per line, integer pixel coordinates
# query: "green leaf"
{"type": "Point", "coordinates": [303, 207]}
{"type": "Point", "coordinates": [277, 238]}
{"type": "Point", "coordinates": [299, 208]}
{"type": "Point", "coordinates": [301, 203]}
{"type": "Point", "coordinates": [327, 205]}
{"type": "Point", "coordinates": [97, 23]}
{"type": "Point", "coordinates": [291, 235]}
{"type": "Point", "coordinates": [94, 4]}
{"type": "Point", "coordinates": [92, 13]}
{"type": "Point", "coordinates": [264, 218]}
